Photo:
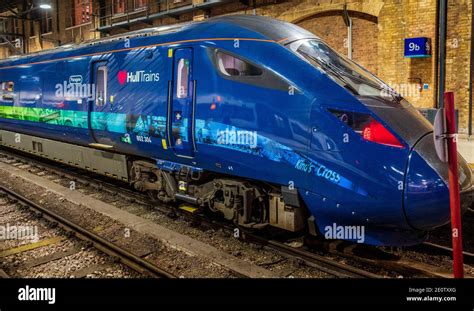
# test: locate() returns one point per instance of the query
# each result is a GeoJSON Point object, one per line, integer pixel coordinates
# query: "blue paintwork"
{"type": "Point", "coordinates": [297, 140]}
{"type": "Point", "coordinates": [425, 195]}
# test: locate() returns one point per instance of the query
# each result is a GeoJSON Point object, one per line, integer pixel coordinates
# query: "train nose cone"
{"type": "Point", "coordinates": [426, 194]}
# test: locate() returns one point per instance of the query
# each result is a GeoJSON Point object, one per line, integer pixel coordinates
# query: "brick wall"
{"type": "Point", "coordinates": [405, 19]}
{"type": "Point", "coordinates": [332, 29]}
{"type": "Point", "coordinates": [457, 52]}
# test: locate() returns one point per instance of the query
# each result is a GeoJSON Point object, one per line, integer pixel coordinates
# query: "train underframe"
{"type": "Point", "coordinates": [247, 203]}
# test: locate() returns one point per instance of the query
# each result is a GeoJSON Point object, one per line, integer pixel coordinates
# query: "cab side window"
{"type": "Point", "coordinates": [235, 68]}
{"type": "Point", "coordinates": [232, 66]}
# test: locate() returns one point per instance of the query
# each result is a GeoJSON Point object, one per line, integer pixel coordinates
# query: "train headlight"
{"type": "Point", "coordinates": [367, 127]}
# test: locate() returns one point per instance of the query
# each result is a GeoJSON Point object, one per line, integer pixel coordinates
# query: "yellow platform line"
{"type": "Point", "coordinates": [31, 246]}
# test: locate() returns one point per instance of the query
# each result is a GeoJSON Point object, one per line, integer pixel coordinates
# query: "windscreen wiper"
{"type": "Point", "coordinates": [330, 69]}
{"type": "Point", "coordinates": [358, 77]}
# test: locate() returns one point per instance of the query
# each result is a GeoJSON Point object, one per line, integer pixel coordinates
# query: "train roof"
{"type": "Point", "coordinates": [260, 26]}
{"type": "Point", "coordinates": [270, 28]}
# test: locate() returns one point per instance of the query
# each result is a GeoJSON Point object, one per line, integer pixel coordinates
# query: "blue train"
{"type": "Point", "coordinates": [247, 116]}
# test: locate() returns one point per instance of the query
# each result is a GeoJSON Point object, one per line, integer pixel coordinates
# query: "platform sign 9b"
{"type": "Point", "coordinates": [417, 47]}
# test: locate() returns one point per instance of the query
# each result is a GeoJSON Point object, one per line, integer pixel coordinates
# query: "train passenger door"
{"type": "Point", "coordinates": [98, 116]}
{"type": "Point", "coordinates": [181, 104]}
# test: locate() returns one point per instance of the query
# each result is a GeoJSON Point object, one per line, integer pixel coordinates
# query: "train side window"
{"type": "Point", "coordinates": [233, 66]}
{"type": "Point", "coordinates": [9, 86]}
{"type": "Point", "coordinates": [7, 89]}
{"type": "Point", "coordinates": [101, 86]}
{"type": "Point", "coordinates": [183, 78]}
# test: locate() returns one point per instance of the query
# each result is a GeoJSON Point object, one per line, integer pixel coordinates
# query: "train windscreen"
{"type": "Point", "coordinates": [342, 70]}
{"type": "Point", "coordinates": [370, 90]}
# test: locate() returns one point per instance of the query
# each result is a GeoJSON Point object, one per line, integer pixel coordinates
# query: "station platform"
{"type": "Point", "coordinates": [466, 148]}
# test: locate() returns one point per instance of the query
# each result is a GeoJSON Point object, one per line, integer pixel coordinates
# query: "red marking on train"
{"type": "Point", "coordinates": [122, 77]}
{"type": "Point", "coordinates": [377, 133]}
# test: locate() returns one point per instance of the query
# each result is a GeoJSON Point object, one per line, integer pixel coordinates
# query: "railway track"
{"type": "Point", "coordinates": [311, 259]}
{"type": "Point", "coordinates": [445, 250]}
{"type": "Point", "coordinates": [330, 266]}
{"type": "Point", "coordinates": [377, 257]}
{"type": "Point", "coordinates": [104, 246]}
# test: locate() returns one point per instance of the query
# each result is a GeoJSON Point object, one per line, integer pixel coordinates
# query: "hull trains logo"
{"type": "Point", "coordinates": [137, 77]}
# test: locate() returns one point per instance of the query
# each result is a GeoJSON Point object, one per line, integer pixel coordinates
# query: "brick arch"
{"type": "Point", "coordinates": [353, 14]}
{"type": "Point", "coordinates": [328, 24]}
{"type": "Point", "coordinates": [369, 9]}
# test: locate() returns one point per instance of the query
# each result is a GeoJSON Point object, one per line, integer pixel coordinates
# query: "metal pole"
{"type": "Point", "coordinates": [471, 74]}
{"type": "Point", "coordinates": [58, 25]}
{"type": "Point", "coordinates": [349, 38]}
{"type": "Point", "coordinates": [443, 8]}
{"type": "Point", "coordinates": [348, 22]}
{"type": "Point", "coordinates": [454, 198]}
{"type": "Point", "coordinates": [26, 43]}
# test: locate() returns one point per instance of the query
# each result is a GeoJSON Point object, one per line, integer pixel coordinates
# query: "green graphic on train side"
{"type": "Point", "coordinates": [45, 115]}
{"type": "Point", "coordinates": [112, 122]}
